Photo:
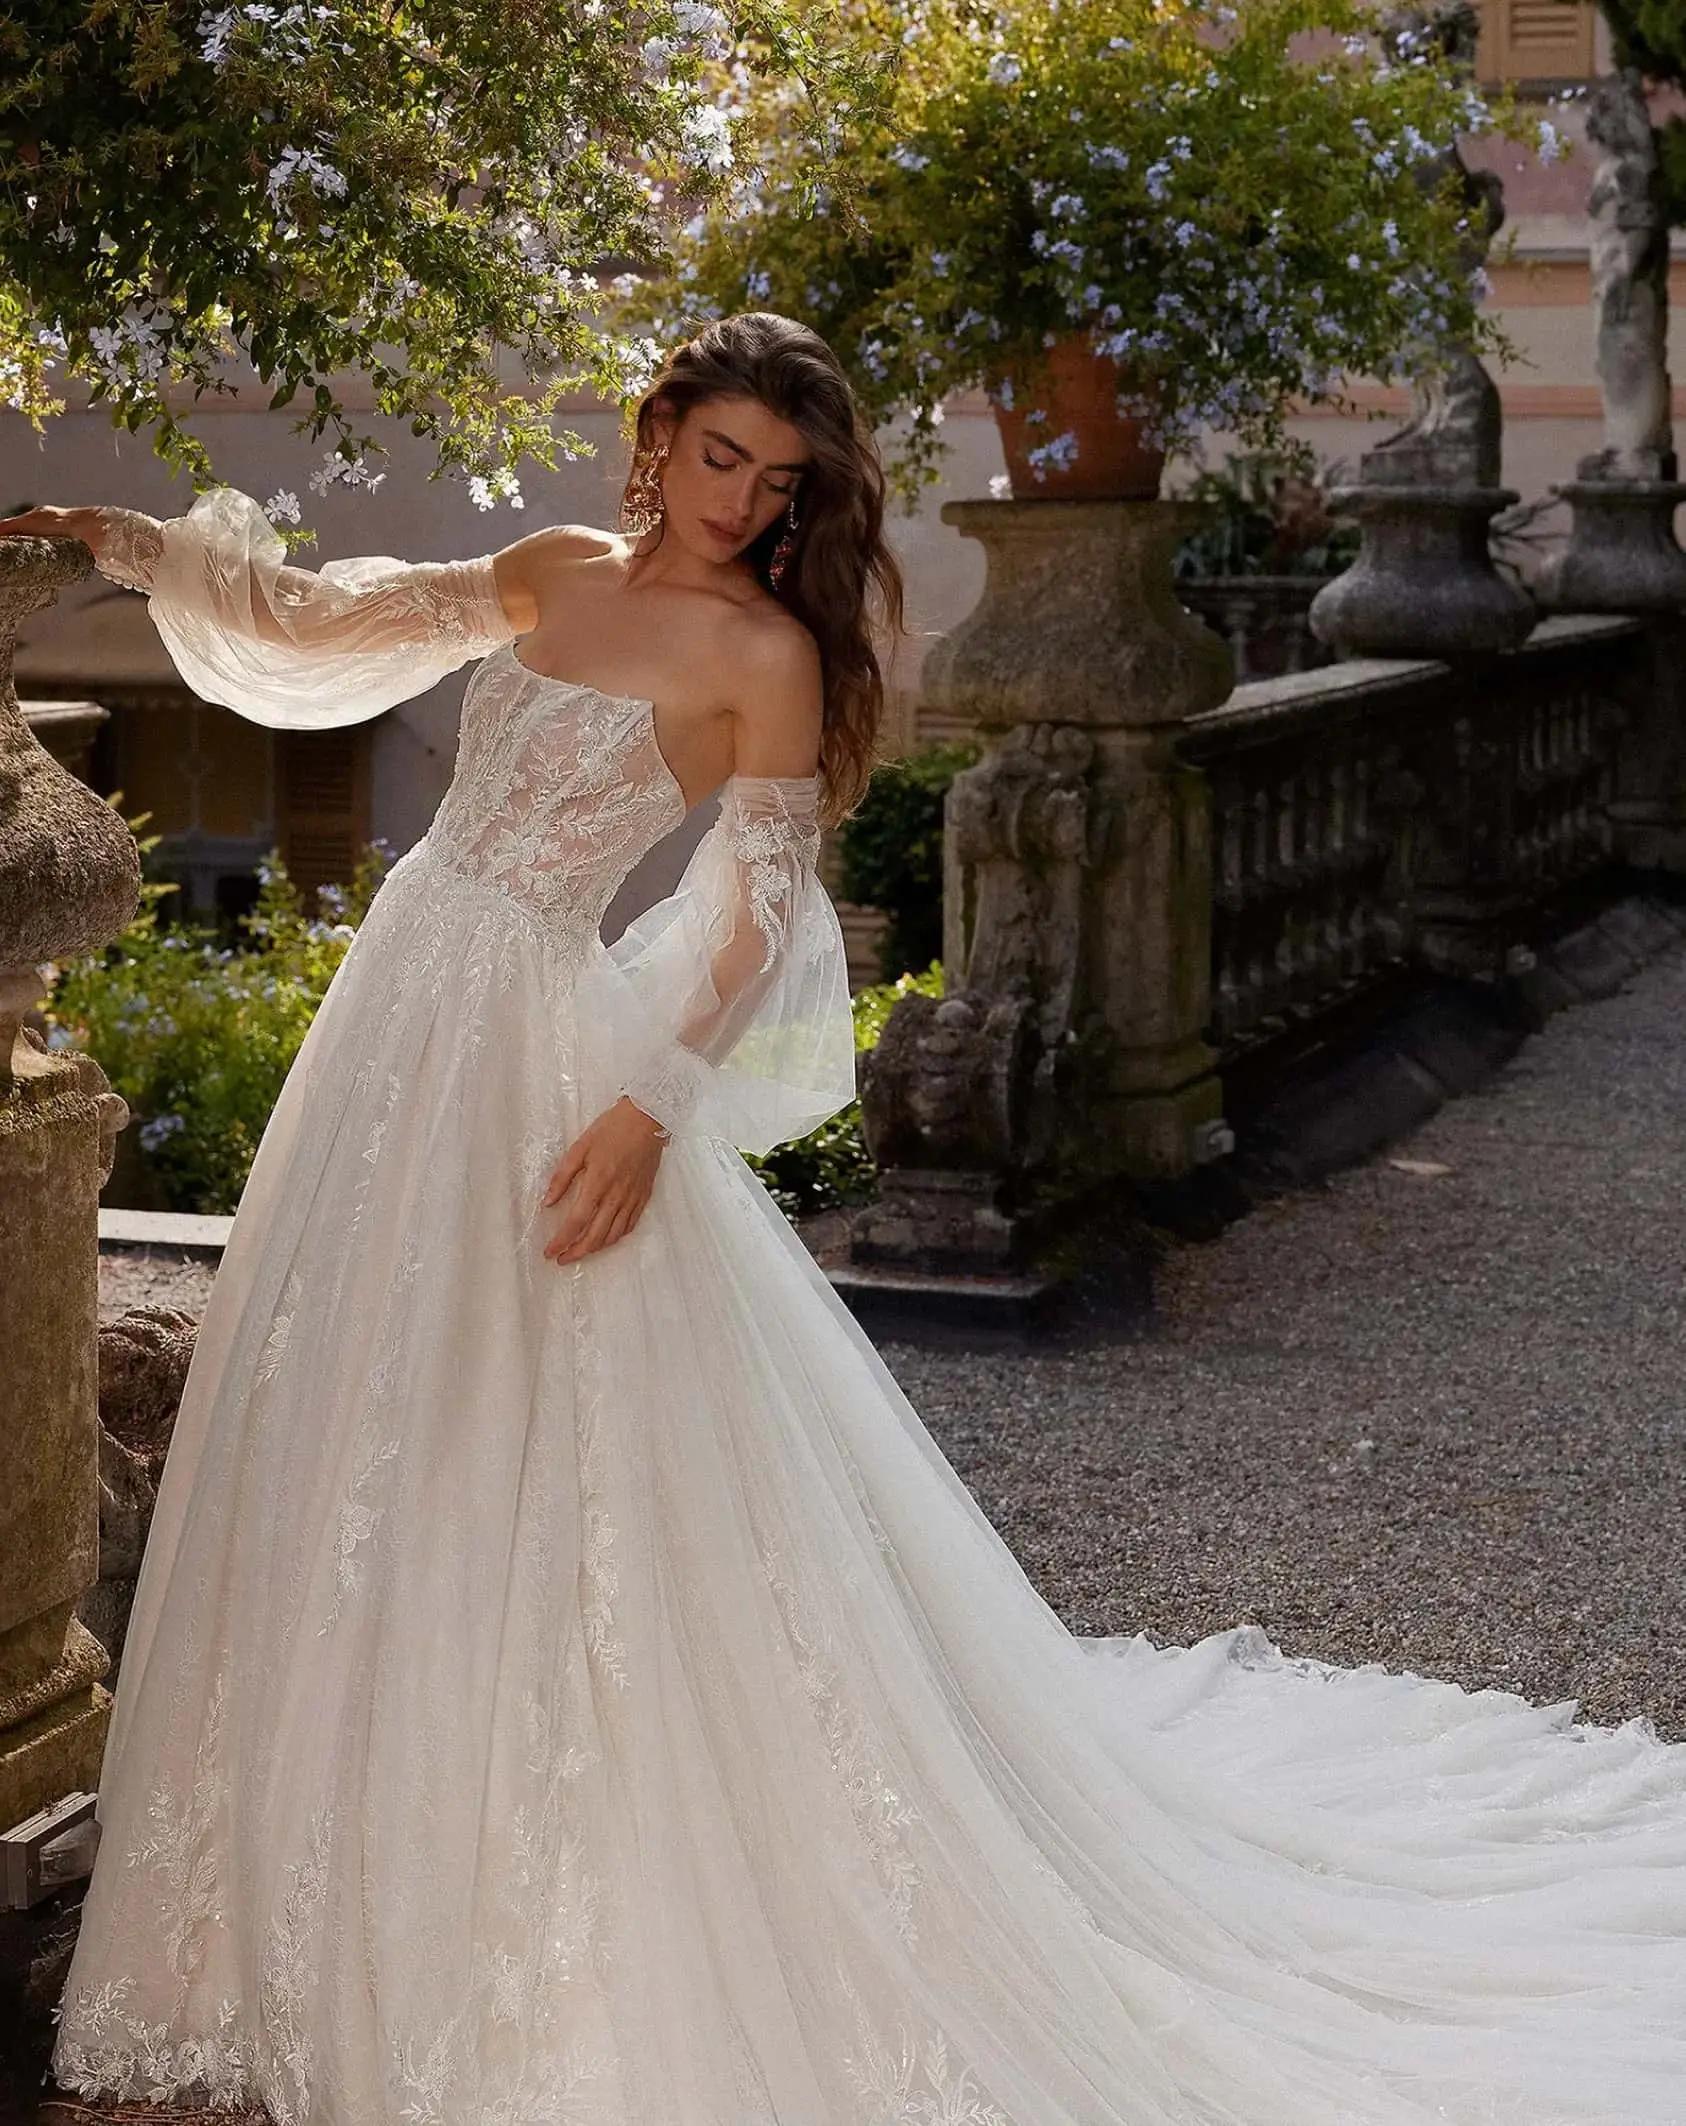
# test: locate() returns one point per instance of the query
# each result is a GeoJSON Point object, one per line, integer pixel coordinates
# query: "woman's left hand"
{"type": "Point", "coordinates": [610, 1168]}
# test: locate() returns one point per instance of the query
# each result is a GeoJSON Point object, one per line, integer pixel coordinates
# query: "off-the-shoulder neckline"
{"type": "Point", "coordinates": [643, 701]}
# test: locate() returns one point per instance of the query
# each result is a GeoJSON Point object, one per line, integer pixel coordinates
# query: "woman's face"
{"type": "Point", "coordinates": [732, 467]}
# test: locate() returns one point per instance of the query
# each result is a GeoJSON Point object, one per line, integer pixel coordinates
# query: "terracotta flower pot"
{"type": "Point", "coordinates": [1078, 388]}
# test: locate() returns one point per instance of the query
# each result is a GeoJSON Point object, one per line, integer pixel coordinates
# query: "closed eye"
{"type": "Point", "coordinates": [718, 466]}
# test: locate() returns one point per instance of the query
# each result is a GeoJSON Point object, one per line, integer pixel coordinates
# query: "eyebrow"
{"type": "Point", "coordinates": [720, 436]}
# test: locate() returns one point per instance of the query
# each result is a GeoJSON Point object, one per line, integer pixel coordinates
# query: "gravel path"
{"type": "Point", "coordinates": [1431, 1414]}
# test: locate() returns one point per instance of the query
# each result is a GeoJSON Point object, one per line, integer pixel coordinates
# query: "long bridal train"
{"type": "Point", "coordinates": [588, 1694]}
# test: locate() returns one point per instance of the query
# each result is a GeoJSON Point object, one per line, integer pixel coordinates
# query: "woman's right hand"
{"type": "Point", "coordinates": [50, 523]}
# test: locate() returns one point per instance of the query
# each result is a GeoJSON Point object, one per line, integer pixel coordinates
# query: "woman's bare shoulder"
{"type": "Point", "coordinates": [778, 693]}
{"type": "Point", "coordinates": [523, 569]}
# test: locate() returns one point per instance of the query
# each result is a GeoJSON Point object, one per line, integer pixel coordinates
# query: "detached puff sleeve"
{"type": "Point", "coordinates": [735, 1013]}
{"type": "Point", "coordinates": [295, 648]}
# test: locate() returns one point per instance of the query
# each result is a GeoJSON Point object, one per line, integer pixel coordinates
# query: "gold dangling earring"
{"type": "Point", "coordinates": [785, 548]}
{"type": "Point", "coordinates": [642, 506]}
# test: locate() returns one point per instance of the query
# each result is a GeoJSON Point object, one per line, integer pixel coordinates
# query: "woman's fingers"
{"type": "Point", "coordinates": [590, 1237]}
{"type": "Point", "coordinates": [614, 1219]}
{"type": "Point", "coordinates": [565, 1169]}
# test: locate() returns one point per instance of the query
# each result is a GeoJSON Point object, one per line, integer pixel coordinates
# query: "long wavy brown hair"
{"type": "Point", "coordinates": [840, 579]}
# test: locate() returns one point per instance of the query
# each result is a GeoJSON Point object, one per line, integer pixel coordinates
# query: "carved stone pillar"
{"type": "Point", "coordinates": [69, 881]}
{"type": "Point", "coordinates": [1077, 896]}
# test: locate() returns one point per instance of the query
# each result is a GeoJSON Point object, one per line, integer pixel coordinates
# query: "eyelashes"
{"type": "Point", "coordinates": [718, 466]}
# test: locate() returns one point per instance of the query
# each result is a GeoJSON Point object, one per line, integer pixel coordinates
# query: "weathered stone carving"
{"type": "Point", "coordinates": [143, 1360]}
{"type": "Point", "coordinates": [69, 880]}
{"type": "Point", "coordinates": [1621, 554]}
{"type": "Point", "coordinates": [1424, 583]}
{"type": "Point", "coordinates": [1629, 285]}
{"type": "Point", "coordinates": [1454, 434]}
{"type": "Point", "coordinates": [1068, 1047]}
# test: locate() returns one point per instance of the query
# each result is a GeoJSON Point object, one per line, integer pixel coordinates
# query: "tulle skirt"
{"type": "Point", "coordinates": [586, 1693]}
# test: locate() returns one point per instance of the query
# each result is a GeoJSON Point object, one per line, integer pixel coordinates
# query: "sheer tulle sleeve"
{"type": "Point", "coordinates": [296, 648]}
{"type": "Point", "coordinates": [741, 1023]}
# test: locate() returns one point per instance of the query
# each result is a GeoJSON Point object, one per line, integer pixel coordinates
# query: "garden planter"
{"type": "Point", "coordinates": [1078, 390]}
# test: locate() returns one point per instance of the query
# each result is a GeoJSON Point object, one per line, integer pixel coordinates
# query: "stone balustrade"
{"type": "Point", "coordinates": [1385, 814]}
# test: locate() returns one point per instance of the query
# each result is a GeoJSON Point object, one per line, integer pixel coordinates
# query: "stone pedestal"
{"type": "Point", "coordinates": [1424, 584]}
{"type": "Point", "coordinates": [1068, 1048]}
{"type": "Point", "coordinates": [1621, 555]}
{"type": "Point", "coordinates": [69, 881]}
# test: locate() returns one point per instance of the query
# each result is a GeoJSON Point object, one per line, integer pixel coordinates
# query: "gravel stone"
{"type": "Point", "coordinates": [1430, 1413]}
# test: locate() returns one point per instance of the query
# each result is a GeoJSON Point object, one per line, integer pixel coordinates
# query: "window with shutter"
{"type": "Point", "coordinates": [323, 805]}
{"type": "Point", "coordinates": [1537, 40]}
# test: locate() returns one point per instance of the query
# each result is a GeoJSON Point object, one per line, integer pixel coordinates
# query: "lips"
{"type": "Point", "coordinates": [720, 532]}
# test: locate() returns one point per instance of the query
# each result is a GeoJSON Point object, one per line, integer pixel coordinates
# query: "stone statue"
{"type": "Point", "coordinates": [1629, 285]}
{"type": "Point", "coordinates": [1454, 433]}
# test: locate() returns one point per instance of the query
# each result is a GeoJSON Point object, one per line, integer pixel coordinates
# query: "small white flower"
{"type": "Point", "coordinates": [706, 132]}
{"type": "Point", "coordinates": [1000, 485]}
{"type": "Point", "coordinates": [1004, 69]}
{"type": "Point", "coordinates": [282, 506]}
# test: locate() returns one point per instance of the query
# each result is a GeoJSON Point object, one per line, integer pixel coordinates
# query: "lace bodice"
{"type": "Point", "coordinates": [559, 789]}
{"type": "Point", "coordinates": [728, 1002]}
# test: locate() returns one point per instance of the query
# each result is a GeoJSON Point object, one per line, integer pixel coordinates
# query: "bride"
{"type": "Point", "coordinates": [566, 1682]}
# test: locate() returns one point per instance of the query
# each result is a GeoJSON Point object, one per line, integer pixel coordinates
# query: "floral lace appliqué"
{"type": "Point", "coordinates": [882, 1814]}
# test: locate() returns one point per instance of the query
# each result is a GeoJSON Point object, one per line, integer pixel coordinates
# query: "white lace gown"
{"type": "Point", "coordinates": [587, 1694]}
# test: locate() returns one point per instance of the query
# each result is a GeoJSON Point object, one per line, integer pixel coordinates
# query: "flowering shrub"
{"type": "Point", "coordinates": [330, 186]}
{"type": "Point", "coordinates": [1241, 205]}
{"type": "Point", "coordinates": [198, 1035]}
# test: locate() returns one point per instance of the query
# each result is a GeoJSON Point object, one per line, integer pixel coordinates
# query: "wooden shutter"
{"type": "Point", "coordinates": [322, 805]}
{"type": "Point", "coordinates": [1537, 40]}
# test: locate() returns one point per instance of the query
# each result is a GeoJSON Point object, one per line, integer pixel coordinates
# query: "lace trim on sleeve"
{"type": "Point", "coordinates": [130, 546]}
{"type": "Point", "coordinates": [767, 839]}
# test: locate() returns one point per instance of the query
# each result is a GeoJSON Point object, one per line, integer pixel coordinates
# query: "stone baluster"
{"type": "Point", "coordinates": [69, 882]}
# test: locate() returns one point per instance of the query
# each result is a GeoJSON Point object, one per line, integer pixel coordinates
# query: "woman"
{"type": "Point", "coordinates": [566, 1682]}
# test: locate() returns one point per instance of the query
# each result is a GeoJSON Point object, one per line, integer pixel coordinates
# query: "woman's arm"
{"type": "Point", "coordinates": [728, 1002]}
{"type": "Point", "coordinates": [292, 647]}
{"type": "Point", "coordinates": [742, 969]}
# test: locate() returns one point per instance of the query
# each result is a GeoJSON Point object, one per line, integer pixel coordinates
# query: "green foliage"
{"type": "Point", "coordinates": [1270, 518]}
{"type": "Point", "coordinates": [1237, 221]}
{"type": "Point", "coordinates": [831, 1165]}
{"type": "Point", "coordinates": [1648, 34]}
{"type": "Point", "coordinates": [198, 1035]}
{"type": "Point", "coordinates": [399, 191]}
{"type": "Point", "coordinates": [1651, 35]}
{"type": "Point", "coordinates": [890, 851]}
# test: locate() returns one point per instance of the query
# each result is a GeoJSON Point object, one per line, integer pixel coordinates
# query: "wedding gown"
{"type": "Point", "coordinates": [586, 1693]}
